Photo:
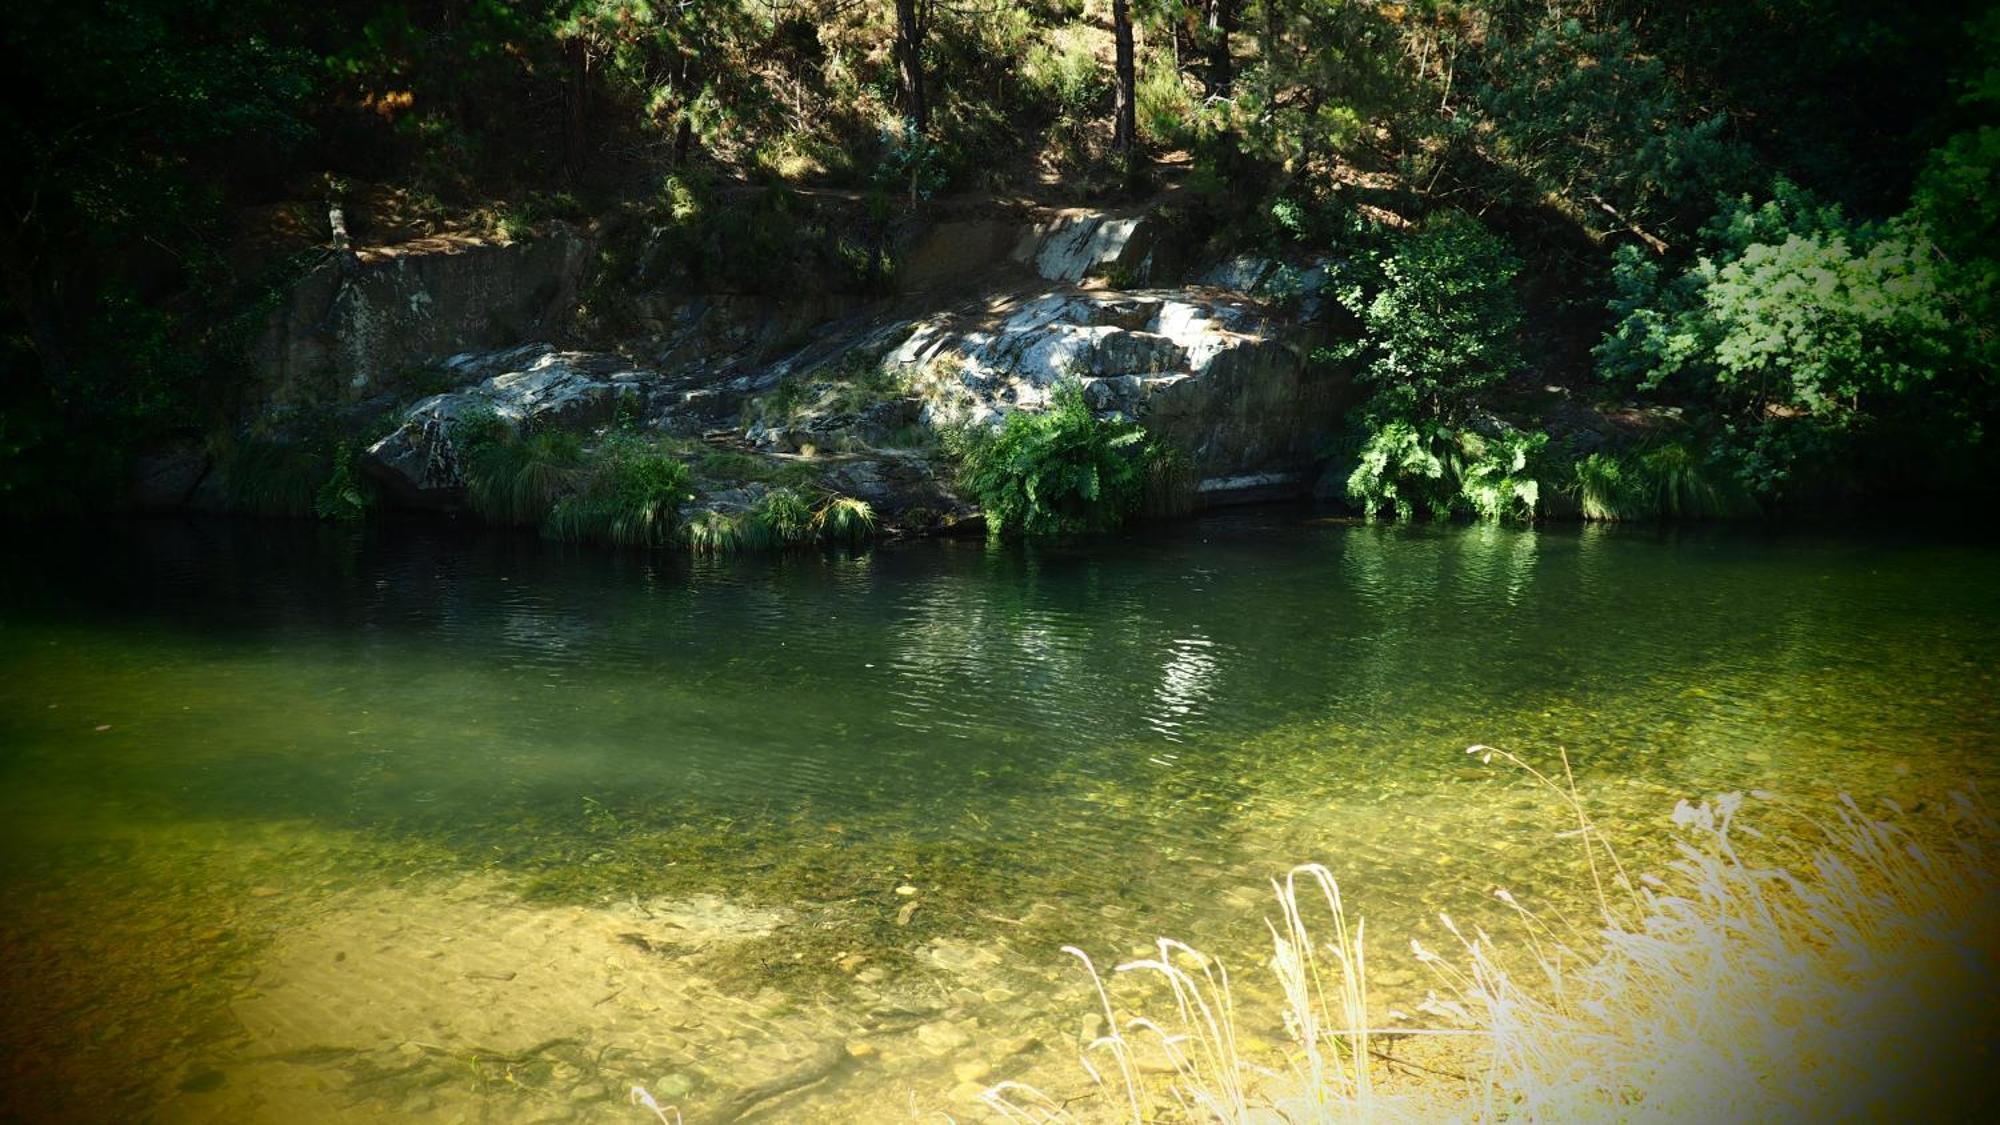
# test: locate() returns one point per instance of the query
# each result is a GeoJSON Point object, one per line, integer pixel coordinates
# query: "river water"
{"type": "Point", "coordinates": [306, 823]}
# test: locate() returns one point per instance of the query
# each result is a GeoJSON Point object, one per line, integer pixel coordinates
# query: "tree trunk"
{"type": "Point", "coordinates": [910, 62]}
{"type": "Point", "coordinates": [26, 296]}
{"type": "Point", "coordinates": [579, 112]}
{"type": "Point", "coordinates": [1221, 65]}
{"type": "Point", "coordinates": [684, 76]}
{"type": "Point", "coordinates": [1125, 121]}
{"type": "Point", "coordinates": [1269, 49]}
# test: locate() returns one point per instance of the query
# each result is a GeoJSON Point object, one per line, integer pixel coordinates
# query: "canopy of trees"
{"type": "Point", "coordinates": [1773, 219]}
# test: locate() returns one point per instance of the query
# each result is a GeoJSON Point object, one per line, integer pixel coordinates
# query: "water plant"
{"type": "Point", "coordinates": [785, 517]}
{"type": "Point", "coordinates": [341, 496]}
{"type": "Point", "coordinates": [1498, 479]}
{"type": "Point", "coordinates": [1404, 466]}
{"type": "Point", "coordinates": [1681, 485]}
{"type": "Point", "coordinates": [1606, 487]}
{"type": "Point", "coordinates": [511, 477]}
{"type": "Point", "coordinates": [1171, 488]}
{"type": "Point", "coordinates": [273, 476]}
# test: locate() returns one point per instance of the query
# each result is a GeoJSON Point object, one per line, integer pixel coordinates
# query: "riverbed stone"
{"type": "Point", "coordinates": [942, 1036]}
{"type": "Point", "coordinates": [674, 1086]}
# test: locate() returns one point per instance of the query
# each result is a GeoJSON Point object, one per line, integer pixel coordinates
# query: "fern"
{"type": "Point", "coordinates": [1056, 472]}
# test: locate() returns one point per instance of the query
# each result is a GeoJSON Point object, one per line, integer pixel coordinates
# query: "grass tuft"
{"type": "Point", "coordinates": [717, 533]}
{"type": "Point", "coordinates": [844, 519]}
{"type": "Point", "coordinates": [1831, 964]}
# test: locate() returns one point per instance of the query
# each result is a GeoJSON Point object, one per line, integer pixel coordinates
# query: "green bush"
{"type": "Point", "coordinates": [1796, 334]}
{"type": "Point", "coordinates": [1171, 488]}
{"type": "Point", "coordinates": [1668, 480]}
{"type": "Point", "coordinates": [1404, 467]}
{"type": "Point", "coordinates": [1676, 483]}
{"type": "Point", "coordinates": [785, 518]}
{"type": "Point", "coordinates": [843, 519]}
{"type": "Point", "coordinates": [1057, 471]}
{"type": "Point", "coordinates": [1498, 478]}
{"type": "Point", "coordinates": [717, 533]}
{"type": "Point", "coordinates": [1439, 319]}
{"type": "Point", "coordinates": [268, 476]}
{"type": "Point", "coordinates": [1608, 487]}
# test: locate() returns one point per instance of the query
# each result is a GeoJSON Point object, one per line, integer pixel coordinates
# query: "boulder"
{"type": "Point", "coordinates": [1076, 244]}
{"type": "Point", "coordinates": [1224, 378]}
{"type": "Point", "coordinates": [167, 479]}
{"type": "Point", "coordinates": [534, 386]}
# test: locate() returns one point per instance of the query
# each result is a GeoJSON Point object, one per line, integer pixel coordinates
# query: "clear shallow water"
{"type": "Point", "coordinates": [283, 807]}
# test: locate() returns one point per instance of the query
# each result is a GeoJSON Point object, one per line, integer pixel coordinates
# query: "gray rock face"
{"type": "Point", "coordinates": [1072, 246]}
{"type": "Point", "coordinates": [1222, 377]}
{"type": "Point", "coordinates": [533, 386]}
{"type": "Point", "coordinates": [1304, 286]}
{"type": "Point", "coordinates": [349, 334]}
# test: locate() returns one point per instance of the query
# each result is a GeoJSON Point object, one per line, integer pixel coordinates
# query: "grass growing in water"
{"type": "Point", "coordinates": [1836, 969]}
{"type": "Point", "coordinates": [512, 478]}
{"type": "Point", "coordinates": [630, 496]}
{"type": "Point", "coordinates": [782, 519]}
{"type": "Point", "coordinates": [844, 519]}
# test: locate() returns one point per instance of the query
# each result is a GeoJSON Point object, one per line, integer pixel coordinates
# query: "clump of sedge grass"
{"type": "Point", "coordinates": [718, 533]}
{"type": "Point", "coordinates": [843, 519]}
{"type": "Point", "coordinates": [1830, 967]}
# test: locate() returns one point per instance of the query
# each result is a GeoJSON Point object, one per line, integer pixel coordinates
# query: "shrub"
{"type": "Point", "coordinates": [271, 476]}
{"type": "Point", "coordinates": [717, 533]}
{"type": "Point", "coordinates": [1170, 488]}
{"type": "Point", "coordinates": [516, 479]}
{"type": "Point", "coordinates": [1405, 467]}
{"type": "Point", "coordinates": [1498, 479]}
{"type": "Point", "coordinates": [1439, 319]}
{"type": "Point", "coordinates": [785, 518]}
{"type": "Point", "coordinates": [1678, 484]}
{"type": "Point", "coordinates": [1608, 487]}
{"type": "Point", "coordinates": [1057, 471]}
{"type": "Point", "coordinates": [1799, 332]}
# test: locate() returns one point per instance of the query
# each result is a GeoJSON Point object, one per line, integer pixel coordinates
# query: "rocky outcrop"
{"type": "Point", "coordinates": [350, 331]}
{"type": "Point", "coordinates": [1218, 368]}
{"type": "Point", "coordinates": [539, 387]}
{"type": "Point", "coordinates": [533, 387]}
{"type": "Point", "coordinates": [1222, 378]}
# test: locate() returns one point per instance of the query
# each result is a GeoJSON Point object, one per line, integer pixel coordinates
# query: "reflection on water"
{"type": "Point", "coordinates": [304, 823]}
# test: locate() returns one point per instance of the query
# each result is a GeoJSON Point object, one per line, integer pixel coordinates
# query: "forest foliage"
{"type": "Point", "coordinates": [1767, 225]}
